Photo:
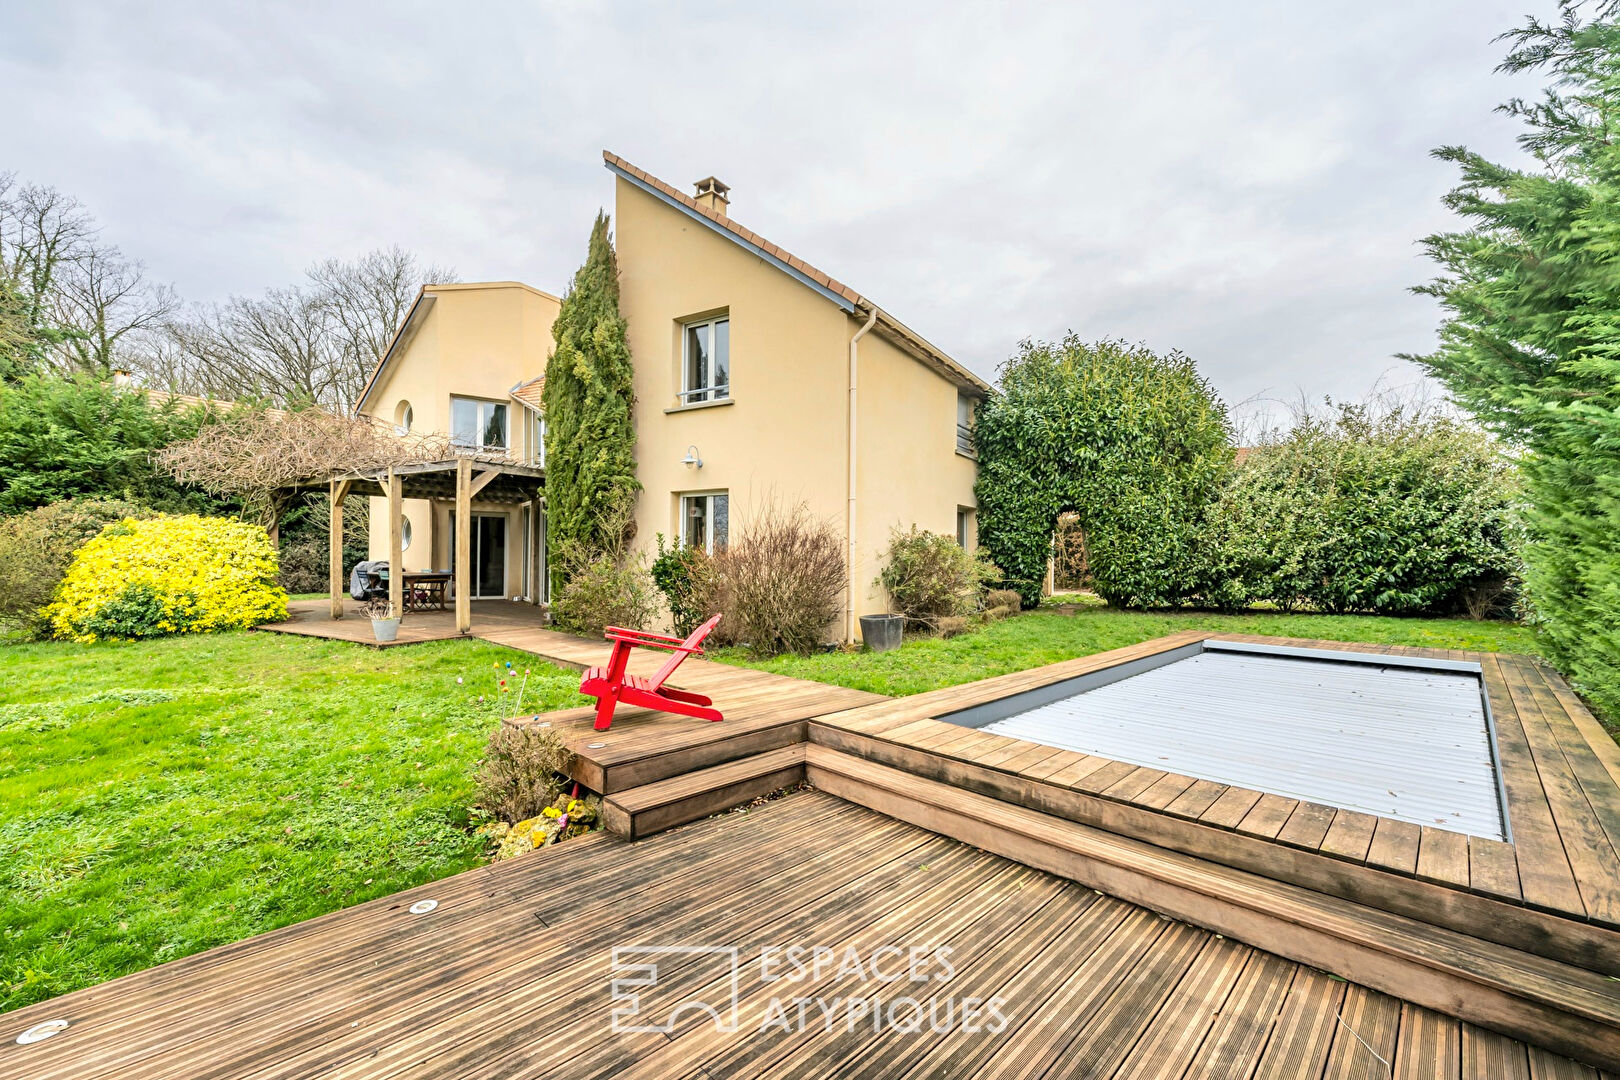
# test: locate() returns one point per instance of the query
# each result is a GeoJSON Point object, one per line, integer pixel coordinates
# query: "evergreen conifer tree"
{"type": "Point", "coordinates": [1532, 340]}
{"type": "Point", "coordinates": [590, 435]}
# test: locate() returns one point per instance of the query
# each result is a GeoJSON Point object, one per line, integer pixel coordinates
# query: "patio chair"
{"type": "Point", "coordinates": [612, 684]}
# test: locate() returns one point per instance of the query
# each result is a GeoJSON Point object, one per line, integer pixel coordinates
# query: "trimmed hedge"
{"type": "Point", "coordinates": [1395, 514]}
{"type": "Point", "coordinates": [1134, 443]}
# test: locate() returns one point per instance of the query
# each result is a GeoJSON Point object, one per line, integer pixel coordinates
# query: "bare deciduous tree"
{"type": "Point", "coordinates": [314, 343]}
{"type": "Point", "coordinates": [71, 301]}
{"type": "Point", "coordinates": [109, 307]}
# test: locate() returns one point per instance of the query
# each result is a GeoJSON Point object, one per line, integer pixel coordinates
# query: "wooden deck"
{"type": "Point", "coordinates": [510, 976]}
{"type": "Point", "coordinates": [312, 618]}
{"type": "Point", "coordinates": [1554, 889]}
{"type": "Point", "coordinates": [763, 712]}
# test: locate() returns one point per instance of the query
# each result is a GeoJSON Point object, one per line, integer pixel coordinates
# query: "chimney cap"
{"type": "Point", "coordinates": [711, 185]}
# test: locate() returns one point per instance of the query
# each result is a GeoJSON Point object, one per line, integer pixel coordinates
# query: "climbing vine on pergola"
{"type": "Point", "coordinates": [1135, 443]}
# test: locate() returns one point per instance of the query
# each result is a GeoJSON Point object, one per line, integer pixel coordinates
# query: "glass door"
{"type": "Point", "coordinates": [489, 555]}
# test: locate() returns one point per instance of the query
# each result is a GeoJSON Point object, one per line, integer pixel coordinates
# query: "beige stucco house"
{"type": "Point", "coordinates": [758, 377]}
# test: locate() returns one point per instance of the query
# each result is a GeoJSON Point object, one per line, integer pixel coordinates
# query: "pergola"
{"type": "Point", "coordinates": [462, 478]}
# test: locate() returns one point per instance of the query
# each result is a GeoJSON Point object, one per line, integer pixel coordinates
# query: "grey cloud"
{"type": "Point", "coordinates": [1245, 181]}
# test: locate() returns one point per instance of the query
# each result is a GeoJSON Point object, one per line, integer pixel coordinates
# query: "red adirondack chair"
{"type": "Point", "coordinates": [612, 684]}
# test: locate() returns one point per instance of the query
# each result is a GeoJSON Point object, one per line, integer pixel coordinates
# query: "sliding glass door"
{"type": "Point", "coordinates": [488, 555]}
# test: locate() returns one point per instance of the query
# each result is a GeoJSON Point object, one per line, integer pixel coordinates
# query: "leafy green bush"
{"type": "Point", "coordinates": [607, 591]}
{"type": "Point", "coordinates": [305, 546]}
{"type": "Point", "coordinates": [168, 575]}
{"type": "Point", "coordinates": [76, 438]}
{"type": "Point", "coordinates": [37, 545]}
{"type": "Point", "coordinates": [684, 574]}
{"type": "Point", "coordinates": [1135, 444]}
{"type": "Point", "coordinates": [1394, 513]}
{"type": "Point", "coordinates": [1532, 339]}
{"type": "Point", "coordinates": [930, 577]}
{"type": "Point", "coordinates": [603, 582]}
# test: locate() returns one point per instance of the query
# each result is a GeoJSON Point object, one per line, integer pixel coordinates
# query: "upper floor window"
{"type": "Point", "coordinates": [964, 424]}
{"type": "Point", "coordinates": [402, 418]}
{"type": "Point", "coordinates": [706, 360]}
{"type": "Point", "coordinates": [478, 425]}
{"type": "Point", "coordinates": [705, 520]}
{"type": "Point", "coordinates": [537, 438]}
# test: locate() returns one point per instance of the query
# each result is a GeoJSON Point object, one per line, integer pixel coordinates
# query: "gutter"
{"type": "Point", "coordinates": [850, 563]}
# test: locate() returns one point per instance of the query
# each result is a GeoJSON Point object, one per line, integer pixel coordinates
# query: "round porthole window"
{"type": "Point", "coordinates": [404, 533]}
{"type": "Point", "coordinates": [402, 418]}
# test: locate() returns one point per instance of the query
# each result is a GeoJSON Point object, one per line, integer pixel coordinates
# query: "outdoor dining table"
{"type": "Point", "coordinates": [426, 590]}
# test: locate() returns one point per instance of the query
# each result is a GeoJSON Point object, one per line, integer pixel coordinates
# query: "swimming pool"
{"type": "Point", "coordinates": [1398, 737]}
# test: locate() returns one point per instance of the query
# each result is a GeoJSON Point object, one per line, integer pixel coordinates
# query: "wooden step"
{"type": "Point", "coordinates": [1564, 1008]}
{"type": "Point", "coordinates": [652, 808]}
{"type": "Point", "coordinates": [1517, 926]}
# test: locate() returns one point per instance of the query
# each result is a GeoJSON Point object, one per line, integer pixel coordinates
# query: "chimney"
{"type": "Point", "coordinates": [121, 377]}
{"type": "Point", "coordinates": [711, 194]}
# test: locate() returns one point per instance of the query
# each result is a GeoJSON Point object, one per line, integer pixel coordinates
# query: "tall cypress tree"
{"type": "Point", "coordinates": [1532, 341]}
{"type": "Point", "coordinates": [590, 434]}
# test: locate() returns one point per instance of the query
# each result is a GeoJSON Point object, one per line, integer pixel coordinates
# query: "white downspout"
{"type": "Point", "coordinates": [849, 567]}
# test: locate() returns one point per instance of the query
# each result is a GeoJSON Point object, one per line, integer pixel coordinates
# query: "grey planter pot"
{"type": "Point", "coordinates": [882, 632]}
{"type": "Point", "coordinates": [385, 629]}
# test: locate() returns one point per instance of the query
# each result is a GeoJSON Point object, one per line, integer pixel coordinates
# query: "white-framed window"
{"type": "Point", "coordinates": [478, 425]}
{"type": "Point", "coordinates": [705, 520]}
{"type": "Point", "coordinates": [964, 423]}
{"type": "Point", "coordinates": [706, 360]}
{"type": "Point", "coordinates": [537, 438]}
{"type": "Point", "coordinates": [402, 418]}
{"type": "Point", "coordinates": [404, 533]}
{"type": "Point", "coordinates": [964, 526]}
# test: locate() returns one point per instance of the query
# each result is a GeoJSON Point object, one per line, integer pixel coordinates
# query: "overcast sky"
{"type": "Point", "coordinates": [1245, 182]}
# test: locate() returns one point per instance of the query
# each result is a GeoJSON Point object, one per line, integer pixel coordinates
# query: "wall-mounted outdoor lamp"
{"type": "Point", "coordinates": [691, 459]}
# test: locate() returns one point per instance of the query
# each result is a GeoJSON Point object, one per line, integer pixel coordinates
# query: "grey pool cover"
{"type": "Point", "coordinates": [1399, 742]}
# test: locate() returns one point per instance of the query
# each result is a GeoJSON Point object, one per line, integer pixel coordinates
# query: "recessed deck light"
{"type": "Point", "coordinates": [41, 1032]}
{"type": "Point", "coordinates": [422, 907]}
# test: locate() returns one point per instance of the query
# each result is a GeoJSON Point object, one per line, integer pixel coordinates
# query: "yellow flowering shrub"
{"type": "Point", "coordinates": [168, 575]}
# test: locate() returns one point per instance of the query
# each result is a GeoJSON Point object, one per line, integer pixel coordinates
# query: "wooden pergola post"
{"type": "Point", "coordinates": [463, 544]}
{"type": "Point", "coordinates": [396, 544]}
{"type": "Point", "coordinates": [339, 490]}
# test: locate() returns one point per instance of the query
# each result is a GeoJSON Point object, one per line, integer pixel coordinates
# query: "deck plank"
{"type": "Point", "coordinates": [1586, 845]}
{"type": "Point", "coordinates": [1545, 876]}
{"type": "Point", "coordinates": [1093, 985]}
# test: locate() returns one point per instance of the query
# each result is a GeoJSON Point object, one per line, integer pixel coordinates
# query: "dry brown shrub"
{"type": "Point", "coordinates": [1000, 603]}
{"type": "Point", "coordinates": [520, 774]}
{"type": "Point", "coordinates": [780, 582]}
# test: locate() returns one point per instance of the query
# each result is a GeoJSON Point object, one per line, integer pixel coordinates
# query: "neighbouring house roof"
{"type": "Point", "coordinates": [829, 287]}
{"type": "Point", "coordinates": [530, 393]}
{"type": "Point", "coordinates": [425, 297]}
{"type": "Point", "coordinates": [159, 398]}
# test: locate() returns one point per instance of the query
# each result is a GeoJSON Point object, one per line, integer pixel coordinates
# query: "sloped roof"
{"type": "Point", "coordinates": [530, 393]}
{"type": "Point", "coordinates": [845, 297]}
{"type": "Point", "coordinates": [418, 313]}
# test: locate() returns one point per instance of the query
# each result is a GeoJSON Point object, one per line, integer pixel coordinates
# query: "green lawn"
{"type": "Point", "coordinates": [163, 797]}
{"type": "Point", "coordinates": [1043, 637]}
